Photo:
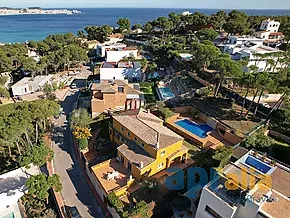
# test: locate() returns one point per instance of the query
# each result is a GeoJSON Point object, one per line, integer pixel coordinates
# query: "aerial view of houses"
{"type": "Point", "coordinates": [181, 116]}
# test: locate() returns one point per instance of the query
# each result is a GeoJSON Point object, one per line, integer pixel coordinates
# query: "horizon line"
{"type": "Point", "coordinates": [128, 7]}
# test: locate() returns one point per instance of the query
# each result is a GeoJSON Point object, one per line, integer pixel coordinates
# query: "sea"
{"type": "Point", "coordinates": [22, 28]}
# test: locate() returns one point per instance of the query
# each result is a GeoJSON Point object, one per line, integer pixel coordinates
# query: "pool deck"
{"type": "Point", "coordinates": [160, 96]}
{"type": "Point", "coordinates": [212, 141]}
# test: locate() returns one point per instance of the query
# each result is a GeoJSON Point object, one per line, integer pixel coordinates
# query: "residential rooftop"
{"type": "Point", "coordinates": [121, 64]}
{"type": "Point", "coordinates": [12, 185]}
{"type": "Point", "coordinates": [37, 80]}
{"type": "Point", "coordinates": [135, 154]}
{"type": "Point", "coordinates": [113, 165]}
{"type": "Point", "coordinates": [111, 86]}
{"type": "Point", "coordinates": [256, 176]}
{"type": "Point", "coordinates": [122, 49]}
{"type": "Point", "coordinates": [148, 128]}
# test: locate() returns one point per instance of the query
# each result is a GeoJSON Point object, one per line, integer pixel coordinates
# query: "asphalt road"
{"type": "Point", "coordinates": [75, 189]}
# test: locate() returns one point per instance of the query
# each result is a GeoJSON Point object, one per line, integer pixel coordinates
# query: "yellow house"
{"type": "Point", "coordinates": [145, 147]}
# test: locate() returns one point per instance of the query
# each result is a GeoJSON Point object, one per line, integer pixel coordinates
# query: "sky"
{"type": "Point", "coordinates": [215, 4]}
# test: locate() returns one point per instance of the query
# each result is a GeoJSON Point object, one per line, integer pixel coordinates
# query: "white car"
{"type": "Point", "coordinates": [73, 86]}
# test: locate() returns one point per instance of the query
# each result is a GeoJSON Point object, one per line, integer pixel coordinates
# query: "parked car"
{"type": "Point", "coordinates": [73, 86]}
{"type": "Point", "coordinates": [73, 212]}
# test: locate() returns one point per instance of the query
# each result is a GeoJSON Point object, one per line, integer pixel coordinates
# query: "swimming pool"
{"type": "Point", "coordinates": [199, 130]}
{"type": "Point", "coordinates": [10, 215]}
{"type": "Point", "coordinates": [165, 93]}
{"type": "Point", "coordinates": [253, 162]}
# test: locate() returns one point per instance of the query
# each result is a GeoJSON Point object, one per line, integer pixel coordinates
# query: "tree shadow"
{"type": "Point", "coordinates": [82, 191]}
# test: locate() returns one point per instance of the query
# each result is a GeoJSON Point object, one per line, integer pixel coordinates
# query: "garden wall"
{"type": "Point", "coordinates": [200, 80]}
{"type": "Point", "coordinates": [113, 212]}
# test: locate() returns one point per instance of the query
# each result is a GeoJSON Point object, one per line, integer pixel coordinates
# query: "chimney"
{"type": "Point", "coordinates": [141, 164]}
{"type": "Point", "coordinates": [157, 143]}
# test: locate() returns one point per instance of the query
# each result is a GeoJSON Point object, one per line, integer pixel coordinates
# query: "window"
{"type": "Point", "coordinates": [129, 134]}
{"type": "Point", "coordinates": [122, 128]}
{"type": "Point", "coordinates": [212, 212]}
{"type": "Point", "coordinates": [160, 165]}
{"type": "Point", "coordinates": [135, 138]}
{"type": "Point", "coordinates": [142, 144]}
{"type": "Point", "coordinates": [129, 165]}
{"type": "Point", "coordinates": [121, 89]}
{"type": "Point", "coordinates": [162, 153]}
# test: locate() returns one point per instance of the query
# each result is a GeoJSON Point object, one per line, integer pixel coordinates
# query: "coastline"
{"type": "Point", "coordinates": [27, 11]}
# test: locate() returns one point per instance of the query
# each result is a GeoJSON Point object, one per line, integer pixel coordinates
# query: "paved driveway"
{"type": "Point", "coordinates": [75, 189]}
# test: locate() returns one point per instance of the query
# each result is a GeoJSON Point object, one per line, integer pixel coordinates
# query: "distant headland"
{"type": "Point", "coordinates": [35, 10]}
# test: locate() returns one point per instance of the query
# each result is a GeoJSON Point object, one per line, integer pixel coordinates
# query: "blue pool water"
{"type": "Point", "coordinates": [199, 130]}
{"type": "Point", "coordinates": [166, 93]}
{"type": "Point", "coordinates": [10, 215]}
{"type": "Point", "coordinates": [253, 162]}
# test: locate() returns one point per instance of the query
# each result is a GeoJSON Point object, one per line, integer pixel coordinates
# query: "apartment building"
{"type": "Point", "coordinates": [255, 186]}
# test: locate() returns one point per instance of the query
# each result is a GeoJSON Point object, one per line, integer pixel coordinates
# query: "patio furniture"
{"type": "Point", "coordinates": [113, 175]}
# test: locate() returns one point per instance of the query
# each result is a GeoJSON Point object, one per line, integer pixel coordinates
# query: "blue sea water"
{"type": "Point", "coordinates": [19, 28]}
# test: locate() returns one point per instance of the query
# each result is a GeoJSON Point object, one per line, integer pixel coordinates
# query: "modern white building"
{"type": "Point", "coordinates": [101, 48]}
{"type": "Point", "coordinates": [252, 51]}
{"type": "Point", "coordinates": [269, 25]}
{"type": "Point", "coordinates": [33, 54]}
{"type": "Point", "coordinates": [255, 186]}
{"type": "Point", "coordinates": [29, 85]}
{"type": "Point", "coordinates": [239, 40]}
{"type": "Point", "coordinates": [127, 70]}
{"type": "Point", "coordinates": [269, 32]}
{"type": "Point", "coordinates": [117, 54]}
{"type": "Point", "coordinates": [12, 188]}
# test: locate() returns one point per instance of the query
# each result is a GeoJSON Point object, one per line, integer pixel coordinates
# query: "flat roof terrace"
{"type": "Point", "coordinates": [101, 172]}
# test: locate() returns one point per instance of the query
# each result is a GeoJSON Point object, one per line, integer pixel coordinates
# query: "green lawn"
{"type": "Point", "coordinates": [149, 92]}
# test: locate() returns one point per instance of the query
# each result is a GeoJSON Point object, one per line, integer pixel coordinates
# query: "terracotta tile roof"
{"type": "Point", "coordinates": [106, 87]}
{"type": "Point", "coordinates": [135, 154]}
{"type": "Point", "coordinates": [148, 128]}
{"type": "Point", "coordinates": [277, 34]}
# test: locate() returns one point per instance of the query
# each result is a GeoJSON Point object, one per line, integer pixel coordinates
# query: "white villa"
{"type": "Point", "coordinates": [12, 188]}
{"type": "Point", "coordinates": [255, 186]}
{"type": "Point", "coordinates": [117, 54]}
{"type": "Point", "coordinates": [101, 48]}
{"type": "Point", "coordinates": [123, 70]}
{"type": "Point", "coordinates": [250, 49]}
{"type": "Point", "coordinates": [269, 32]}
{"type": "Point", "coordinates": [29, 85]}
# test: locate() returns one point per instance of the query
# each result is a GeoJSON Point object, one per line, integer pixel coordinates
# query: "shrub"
{"type": "Point", "coordinates": [166, 113]}
{"type": "Point", "coordinates": [151, 185]}
{"type": "Point", "coordinates": [82, 143]}
{"type": "Point", "coordinates": [115, 202]}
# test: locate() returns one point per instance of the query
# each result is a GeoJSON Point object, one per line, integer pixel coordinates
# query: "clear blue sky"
{"type": "Point", "coordinates": [216, 4]}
